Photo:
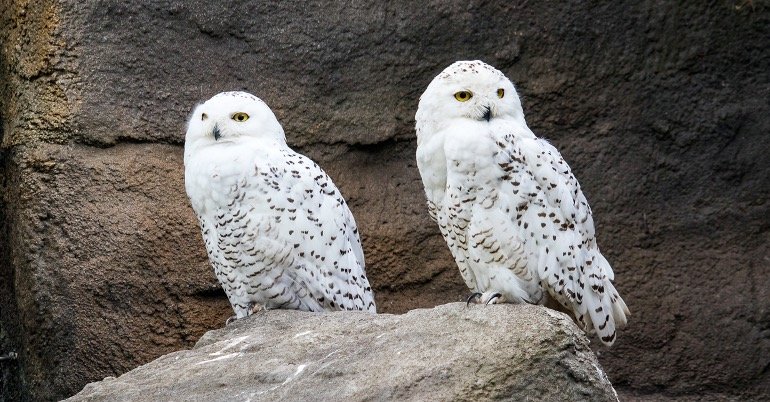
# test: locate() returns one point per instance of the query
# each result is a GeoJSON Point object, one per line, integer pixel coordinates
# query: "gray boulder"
{"type": "Point", "coordinates": [449, 352]}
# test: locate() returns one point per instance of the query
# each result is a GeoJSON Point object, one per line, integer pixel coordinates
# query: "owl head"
{"type": "Point", "coordinates": [232, 117]}
{"type": "Point", "coordinates": [468, 91]}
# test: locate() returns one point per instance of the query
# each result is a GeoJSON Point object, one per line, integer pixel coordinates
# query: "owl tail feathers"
{"type": "Point", "coordinates": [619, 309]}
{"type": "Point", "coordinates": [607, 312]}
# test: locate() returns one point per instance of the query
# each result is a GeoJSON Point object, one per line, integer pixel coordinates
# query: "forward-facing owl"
{"type": "Point", "coordinates": [277, 231]}
{"type": "Point", "coordinates": [507, 204]}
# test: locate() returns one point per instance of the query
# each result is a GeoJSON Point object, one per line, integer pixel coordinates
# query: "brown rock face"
{"type": "Point", "coordinates": [661, 110]}
{"type": "Point", "coordinates": [107, 273]}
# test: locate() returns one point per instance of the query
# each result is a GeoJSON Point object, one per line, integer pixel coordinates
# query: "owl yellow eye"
{"type": "Point", "coordinates": [240, 116]}
{"type": "Point", "coordinates": [500, 93]}
{"type": "Point", "coordinates": [463, 96]}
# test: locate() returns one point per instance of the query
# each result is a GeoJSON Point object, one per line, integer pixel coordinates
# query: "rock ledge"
{"type": "Point", "coordinates": [446, 353]}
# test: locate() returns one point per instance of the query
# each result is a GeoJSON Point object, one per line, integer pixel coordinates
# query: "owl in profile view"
{"type": "Point", "coordinates": [507, 204]}
{"type": "Point", "coordinates": [277, 231]}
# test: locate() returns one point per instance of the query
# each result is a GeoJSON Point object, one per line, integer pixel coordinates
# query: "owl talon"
{"type": "Point", "coordinates": [231, 320]}
{"type": "Point", "coordinates": [475, 295]}
{"type": "Point", "coordinates": [493, 297]}
{"type": "Point", "coordinates": [255, 308]}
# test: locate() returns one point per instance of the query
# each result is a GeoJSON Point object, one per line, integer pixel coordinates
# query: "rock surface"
{"type": "Point", "coordinates": [661, 109]}
{"type": "Point", "coordinates": [449, 353]}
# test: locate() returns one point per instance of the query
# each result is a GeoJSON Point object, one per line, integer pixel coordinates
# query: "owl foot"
{"type": "Point", "coordinates": [473, 296]}
{"type": "Point", "coordinates": [255, 308]}
{"type": "Point", "coordinates": [252, 308]}
{"type": "Point", "coordinates": [494, 298]}
{"type": "Point", "coordinates": [485, 298]}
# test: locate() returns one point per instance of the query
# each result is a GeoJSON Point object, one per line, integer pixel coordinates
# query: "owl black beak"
{"type": "Point", "coordinates": [487, 114]}
{"type": "Point", "coordinates": [216, 132]}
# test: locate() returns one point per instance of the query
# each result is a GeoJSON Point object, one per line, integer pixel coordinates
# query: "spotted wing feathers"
{"type": "Point", "coordinates": [286, 239]}
{"type": "Point", "coordinates": [554, 219]}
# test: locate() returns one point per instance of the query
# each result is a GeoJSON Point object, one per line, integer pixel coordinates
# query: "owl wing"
{"type": "Point", "coordinates": [281, 233]}
{"type": "Point", "coordinates": [318, 225]}
{"type": "Point", "coordinates": [554, 219]}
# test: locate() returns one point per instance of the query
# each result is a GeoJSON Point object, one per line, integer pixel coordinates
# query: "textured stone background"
{"type": "Point", "coordinates": [662, 110]}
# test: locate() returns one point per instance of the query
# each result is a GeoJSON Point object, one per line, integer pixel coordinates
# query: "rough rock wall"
{"type": "Point", "coordinates": [661, 109]}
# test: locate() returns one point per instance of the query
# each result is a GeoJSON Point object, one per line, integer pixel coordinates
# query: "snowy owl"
{"type": "Point", "coordinates": [511, 212]}
{"type": "Point", "coordinates": [277, 231]}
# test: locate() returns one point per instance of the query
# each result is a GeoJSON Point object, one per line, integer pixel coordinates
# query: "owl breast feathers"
{"type": "Point", "coordinates": [506, 202]}
{"type": "Point", "coordinates": [277, 231]}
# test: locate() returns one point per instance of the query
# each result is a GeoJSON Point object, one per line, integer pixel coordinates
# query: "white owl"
{"type": "Point", "coordinates": [508, 206]}
{"type": "Point", "coordinates": [277, 231]}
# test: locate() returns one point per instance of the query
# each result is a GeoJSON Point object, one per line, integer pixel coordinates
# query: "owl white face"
{"type": "Point", "coordinates": [231, 117]}
{"type": "Point", "coordinates": [468, 90]}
